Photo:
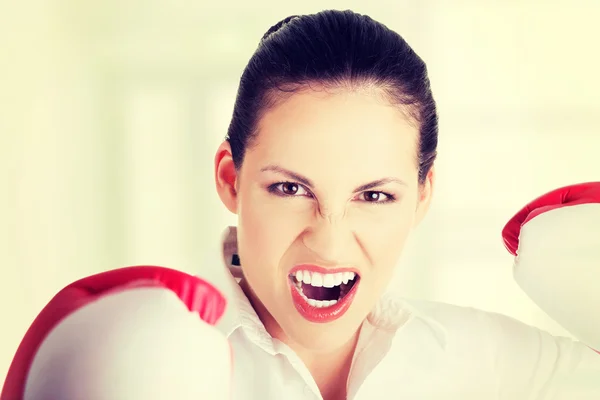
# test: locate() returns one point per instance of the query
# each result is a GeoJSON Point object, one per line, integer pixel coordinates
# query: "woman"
{"type": "Point", "coordinates": [329, 165]}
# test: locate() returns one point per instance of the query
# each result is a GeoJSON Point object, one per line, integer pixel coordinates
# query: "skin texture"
{"type": "Point", "coordinates": [338, 140]}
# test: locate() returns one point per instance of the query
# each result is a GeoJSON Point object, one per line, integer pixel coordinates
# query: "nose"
{"type": "Point", "coordinates": [329, 237]}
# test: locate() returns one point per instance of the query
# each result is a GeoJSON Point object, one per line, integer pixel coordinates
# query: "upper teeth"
{"type": "Point", "coordinates": [324, 280]}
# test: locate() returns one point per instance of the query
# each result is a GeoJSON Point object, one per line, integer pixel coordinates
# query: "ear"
{"type": "Point", "coordinates": [425, 194]}
{"type": "Point", "coordinates": [226, 177]}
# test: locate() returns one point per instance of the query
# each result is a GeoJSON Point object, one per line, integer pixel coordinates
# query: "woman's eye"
{"type": "Point", "coordinates": [290, 189]}
{"type": "Point", "coordinates": [376, 197]}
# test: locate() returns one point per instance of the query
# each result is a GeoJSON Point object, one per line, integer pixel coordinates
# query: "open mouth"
{"type": "Point", "coordinates": [323, 290]}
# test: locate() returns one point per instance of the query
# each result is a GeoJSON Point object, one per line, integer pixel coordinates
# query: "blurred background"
{"type": "Point", "coordinates": [110, 113]}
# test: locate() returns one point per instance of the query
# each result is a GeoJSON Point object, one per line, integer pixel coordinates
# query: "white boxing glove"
{"type": "Point", "coordinates": [133, 333]}
{"type": "Point", "coordinates": [556, 243]}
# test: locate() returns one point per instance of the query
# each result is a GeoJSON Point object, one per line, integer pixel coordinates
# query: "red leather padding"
{"type": "Point", "coordinates": [572, 195]}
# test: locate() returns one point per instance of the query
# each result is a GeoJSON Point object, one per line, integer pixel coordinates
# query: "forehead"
{"type": "Point", "coordinates": [337, 130]}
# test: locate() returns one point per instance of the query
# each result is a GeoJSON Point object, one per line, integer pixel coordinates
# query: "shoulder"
{"type": "Point", "coordinates": [455, 330]}
{"type": "Point", "coordinates": [461, 318]}
{"type": "Point", "coordinates": [471, 346]}
{"type": "Point", "coordinates": [519, 356]}
{"type": "Point", "coordinates": [488, 337]}
{"type": "Point", "coordinates": [473, 326]}
{"type": "Point", "coordinates": [454, 319]}
{"type": "Point", "coordinates": [452, 347]}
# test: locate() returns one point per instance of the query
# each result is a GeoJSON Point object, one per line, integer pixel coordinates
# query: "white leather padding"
{"type": "Point", "coordinates": [558, 266]}
{"type": "Point", "coordinates": [141, 343]}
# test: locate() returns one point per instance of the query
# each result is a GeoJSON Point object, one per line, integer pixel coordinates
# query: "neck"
{"type": "Point", "coordinates": [329, 369]}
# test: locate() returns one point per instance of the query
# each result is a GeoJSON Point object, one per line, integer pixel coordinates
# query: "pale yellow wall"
{"type": "Point", "coordinates": [110, 112]}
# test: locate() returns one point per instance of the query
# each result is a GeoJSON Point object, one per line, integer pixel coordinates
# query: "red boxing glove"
{"type": "Point", "coordinates": [556, 243]}
{"type": "Point", "coordinates": [132, 333]}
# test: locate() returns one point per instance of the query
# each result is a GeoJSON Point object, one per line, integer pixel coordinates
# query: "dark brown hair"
{"type": "Point", "coordinates": [334, 48]}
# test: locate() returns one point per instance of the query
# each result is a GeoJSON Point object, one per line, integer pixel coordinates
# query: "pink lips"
{"type": "Point", "coordinates": [324, 314]}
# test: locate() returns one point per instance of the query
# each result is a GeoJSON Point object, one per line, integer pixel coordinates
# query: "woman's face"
{"type": "Point", "coordinates": [330, 189]}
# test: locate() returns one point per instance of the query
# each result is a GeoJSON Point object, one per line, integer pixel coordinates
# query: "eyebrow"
{"type": "Point", "coordinates": [307, 182]}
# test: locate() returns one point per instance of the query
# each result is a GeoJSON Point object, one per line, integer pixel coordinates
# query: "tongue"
{"type": "Point", "coordinates": [321, 293]}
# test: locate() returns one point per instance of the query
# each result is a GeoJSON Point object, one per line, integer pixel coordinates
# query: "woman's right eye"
{"type": "Point", "coordinates": [288, 189]}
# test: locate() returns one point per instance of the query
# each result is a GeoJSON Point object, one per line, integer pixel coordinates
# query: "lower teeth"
{"type": "Point", "coordinates": [318, 303]}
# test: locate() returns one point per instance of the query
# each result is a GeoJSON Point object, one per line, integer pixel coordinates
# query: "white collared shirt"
{"type": "Point", "coordinates": [415, 350]}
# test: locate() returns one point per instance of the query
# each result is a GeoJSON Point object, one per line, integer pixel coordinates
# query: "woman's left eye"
{"type": "Point", "coordinates": [376, 197]}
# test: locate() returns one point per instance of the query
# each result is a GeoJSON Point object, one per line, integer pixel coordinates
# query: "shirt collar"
{"type": "Point", "coordinates": [240, 313]}
{"type": "Point", "coordinates": [389, 314]}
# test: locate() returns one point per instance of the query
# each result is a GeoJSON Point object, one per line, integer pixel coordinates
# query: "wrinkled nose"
{"type": "Point", "coordinates": [329, 237]}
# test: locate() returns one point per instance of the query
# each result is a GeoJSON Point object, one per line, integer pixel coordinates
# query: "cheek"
{"type": "Point", "coordinates": [384, 235]}
{"type": "Point", "coordinates": [268, 227]}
